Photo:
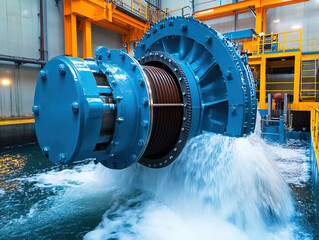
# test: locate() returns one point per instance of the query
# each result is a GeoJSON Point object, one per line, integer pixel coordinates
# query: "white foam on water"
{"type": "Point", "coordinates": [220, 188]}
{"type": "Point", "coordinates": [2, 192]}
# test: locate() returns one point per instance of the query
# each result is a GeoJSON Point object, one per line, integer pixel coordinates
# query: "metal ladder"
{"type": "Point", "coordinates": [308, 85]}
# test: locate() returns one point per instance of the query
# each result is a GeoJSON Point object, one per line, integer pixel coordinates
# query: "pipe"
{"type": "Point", "coordinates": [21, 60]}
{"type": "Point", "coordinates": [269, 106]}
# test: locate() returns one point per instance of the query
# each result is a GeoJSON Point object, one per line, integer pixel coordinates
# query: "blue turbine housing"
{"type": "Point", "coordinates": [187, 79]}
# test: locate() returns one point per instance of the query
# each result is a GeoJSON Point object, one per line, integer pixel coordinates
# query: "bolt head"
{"type": "Point", "coordinates": [229, 75]}
{"type": "Point", "coordinates": [141, 143]}
{"type": "Point", "coordinates": [75, 107]}
{"type": "Point", "coordinates": [141, 82]}
{"type": "Point", "coordinates": [61, 69]}
{"type": "Point", "coordinates": [62, 157]}
{"type": "Point", "coordinates": [113, 83]}
{"type": "Point", "coordinates": [133, 66]}
{"type": "Point", "coordinates": [35, 110]}
{"type": "Point", "coordinates": [145, 101]}
{"type": "Point", "coordinates": [43, 74]}
{"type": "Point", "coordinates": [120, 119]}
{"type": "Point", "coordinates": [134, 156]}
{"type": "Point", "coordinates": [45, 151]}
{"type": "Point", "coordinates": [145, 123]}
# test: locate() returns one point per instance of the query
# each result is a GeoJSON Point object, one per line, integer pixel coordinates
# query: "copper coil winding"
{"type": "Point", "coordinates": [167, 112]}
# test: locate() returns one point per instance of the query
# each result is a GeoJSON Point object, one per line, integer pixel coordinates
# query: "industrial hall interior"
{"type": "Point", "coordinates": [159, 119]}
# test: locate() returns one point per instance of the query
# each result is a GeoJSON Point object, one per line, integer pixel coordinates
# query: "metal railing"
{"type": "Point", "coordinates": [310, 45]}
{"type": "Point", "coordinates": [314, 129]}
{"type": "Point", "coordinates": [140, 8]}
{"type": "Point", "coordinates": [184, 11]}
{"type": "Point", "coordinates": [278, 42]}
{"type": "Point", "coordinates": [148, 12]}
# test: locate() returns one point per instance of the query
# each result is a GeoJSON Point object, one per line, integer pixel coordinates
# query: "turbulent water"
{"type": "Point", "coordinates": [219, 188]}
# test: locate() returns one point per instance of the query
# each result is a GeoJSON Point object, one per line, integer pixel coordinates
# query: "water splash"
{"type": "Point", "coordinates": [220, 182]}
{"type": "Point", "coordinates": [219, 188]}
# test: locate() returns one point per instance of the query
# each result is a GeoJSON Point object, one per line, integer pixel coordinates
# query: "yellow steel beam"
{"type": "Point", "coordinates": [102, 13]}
{"type": "Point", "coordinates": [17, 120]}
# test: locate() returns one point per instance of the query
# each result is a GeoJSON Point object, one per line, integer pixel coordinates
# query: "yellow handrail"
{"type": "Point", "coordinates": [314, 129]}
{"type": "Point", "coordinates": [283, 41]}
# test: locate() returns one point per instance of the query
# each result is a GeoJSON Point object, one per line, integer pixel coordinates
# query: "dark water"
{"type": "Point", "coordinates": [241, 196]}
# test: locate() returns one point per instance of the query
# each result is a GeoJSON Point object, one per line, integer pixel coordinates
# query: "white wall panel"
{"type": "Point", "coordinates": [19, 28]}
{"type": "Point", "coordinates": [17, 99]}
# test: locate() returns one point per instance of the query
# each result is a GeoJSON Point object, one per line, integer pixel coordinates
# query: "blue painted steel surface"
{"type": "Point", "coordinates": [70, 110]}
{"type": "Point", "coordinates": [131, 132]}
{"type": "Point", "coordinates": [71, 105]}
{"type": "Point", "coordinates": [246, 33]}
{"type": "Point", "coordinates": [228, 99]}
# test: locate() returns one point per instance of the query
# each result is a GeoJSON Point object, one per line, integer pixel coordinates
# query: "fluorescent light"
{"type": "Point", "coordinates": [295, 27]}
{"type": "Point", "coordinates": [5, 82]}
{"type": "Point", "coordinates": [276, 20]}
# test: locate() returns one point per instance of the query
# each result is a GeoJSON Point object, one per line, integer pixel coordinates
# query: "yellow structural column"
{"type": "Point", "coordinates": [259, 20]}
{"type": "Point", "coordinates": [70, 35]}
{"type": "Point", "coordinates": [87, 37]}
{"type": "Point", "coordinates": [262, 89]}
{"type": "Point", "coordinates": [297, 77]}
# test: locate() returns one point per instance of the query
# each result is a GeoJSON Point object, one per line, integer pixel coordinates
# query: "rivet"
{"type": "Point", "coordinates": [141, 82]}
{"type": "Point", "coordinates": [142, 45]}
{"type": "Point", "coordinates": [180, 79]}
{"type": "Point", "coordinates": [170, 60]}
{"type": "Point", "coordinates": [75, 107]}
{"type": "Point", "coordinates": [108, 53]}
{"type": "Point", "coordinates": [141, 143]}
{"type": "Point", "coordinates": [134, 156]}
{"type": "Point", "coordinates": [120, 119]}
{"type": "Point", "coordinates": [113, 83]}
{"type": "Point", "coordinates": [161, 56]}
{"type": "Point", "coordinates": [154, 30]}
{"type": "Point", "coordinates": [43, 74]}
{"type": "Point", "coordinates": [170, 22]}
{"type": "Point", "coordinates": [184, 93]}
{"type": "Point", "coordinates": [179, 141]}
{"type": "Point", "coordinates": [35, 110]}
{"type": "Point", "coordinates": [175, 69]}
{"type": "Point", "coordinates": [145, 123]}
{"type": "Point", "coordinates": [162, 25]}
{"type": "Point", "coordinates": [45, 151]}
{"type": "Point", "coordinates": [112, 155]}
{"type": "Point", "coordinates": [183, 129]}
{"type": "Point", "coordinates": [175, 149]}
{"type": "Point", "coordinates": [61, 69]}
{"type": "Point", "coordinates": [171, 157]}
{"type": "Point", "coordinates": [184, 118]}
{"type": "Point", "coordinates": [99, 57]}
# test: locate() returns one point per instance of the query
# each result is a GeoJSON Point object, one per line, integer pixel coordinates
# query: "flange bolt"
{"type": "Point", "coordinates": [75, 107]}
{"type": "Point", "coordinates": [61, 157]}
{"type": "Point", "coordinates": [43, 74]}
{"type": "Point", "coordinates": [45, 151]}
{"type": "Point", "coordinates": [35, 110]}
{"type": "Point", "coordinates": [62, 69]}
